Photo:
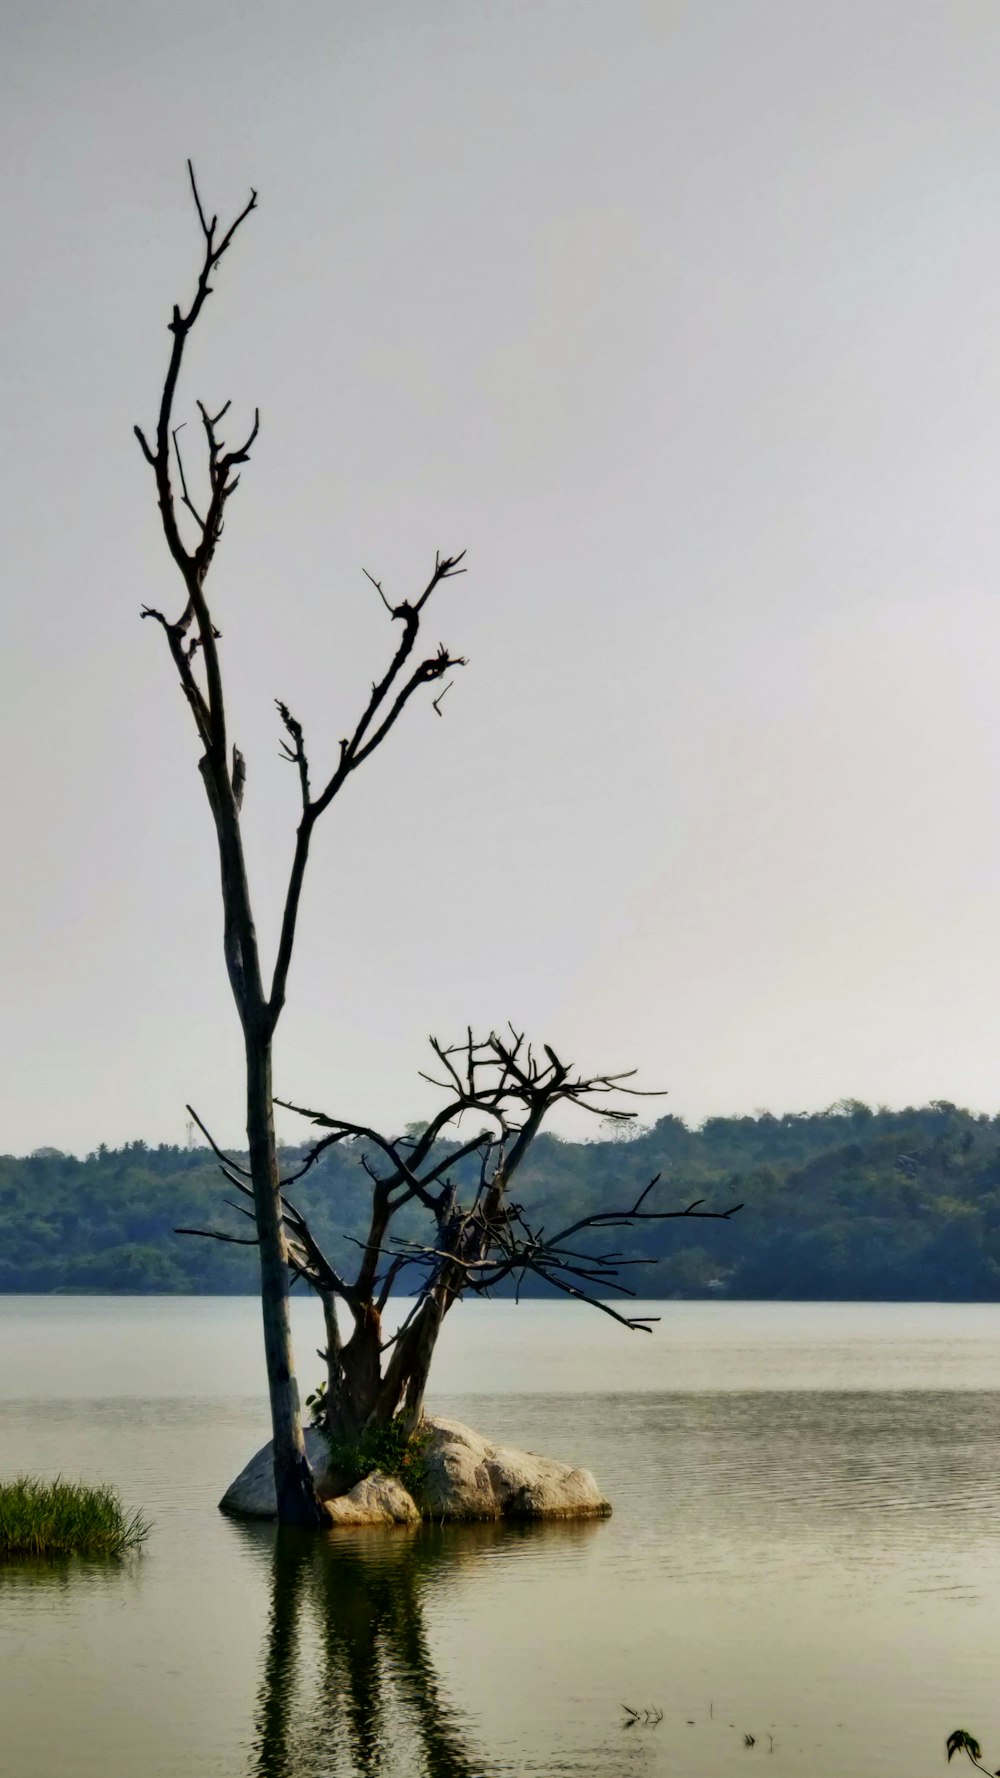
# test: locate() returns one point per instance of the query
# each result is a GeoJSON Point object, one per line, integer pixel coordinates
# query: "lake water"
{"type": "Point", "coordinates": [805, 1548]}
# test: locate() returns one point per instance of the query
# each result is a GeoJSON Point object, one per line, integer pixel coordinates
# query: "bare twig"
{"type": "Point", "coordinates": [213, 1145]}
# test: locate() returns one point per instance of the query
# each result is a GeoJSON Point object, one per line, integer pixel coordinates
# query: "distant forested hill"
{"type": "Point", "coordinates": [846, 1203]}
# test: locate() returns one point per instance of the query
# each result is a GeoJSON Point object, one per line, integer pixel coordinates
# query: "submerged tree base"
{"type": "Point", "coordinates": [60, 1518]}
{"type": "Point", "coordinates": [462, 1475]}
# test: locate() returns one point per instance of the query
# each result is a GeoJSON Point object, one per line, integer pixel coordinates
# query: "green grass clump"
{"type": "Point", "coordinates": [65, 1519]}
{"type": "Point", "coordinates": [388, 1448]}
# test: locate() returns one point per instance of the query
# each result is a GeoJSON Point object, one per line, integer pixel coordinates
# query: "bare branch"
{"type": "Point", "coordinates": [392, 1273]}
{"type": "Point", "coordinates": [149, 455]}
{"type": "Point", "coordinates": [221, 1235]}
{"type": "Point", "coordinates": [181, 324]}
{"type": "Point", "coordinates": [368, 734]}
{"type": "Point", "coordinates": [213, 1145]}
{"type": "Point", "coordinates": [186, 498]}
{"type": "Point", "coordinates": [404, 1173]}
{"type": "Point", "coordinates": [356, 748]}
{"type": "Point", "coordinates": [377, 584]}
{"type": "Point", "coordinates": [208, 712]}
{"type": "Point", "coordinates": [206, 231]}
{"type": "Point", "coordinates": [296, 753]}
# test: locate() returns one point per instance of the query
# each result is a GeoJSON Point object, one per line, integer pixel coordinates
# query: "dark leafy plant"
{"type": "Point", "coordinates": [316, 1403]}
{"type": "Point", "coordinates": [960, 1741]}
{"type": "Point", "coordinates": [387, 1448]}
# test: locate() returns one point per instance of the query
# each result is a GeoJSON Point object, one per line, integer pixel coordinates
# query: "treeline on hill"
{"type": "Point", "coordinates": [841, 1204]}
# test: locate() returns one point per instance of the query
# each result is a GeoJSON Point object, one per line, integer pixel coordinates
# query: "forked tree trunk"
{"type": "Point", "coordinates": [408, 1370]}
{"type": "Point", "coordinates": [359, 1395]}
{"type": "Point", "coordinates": [353, 1376]}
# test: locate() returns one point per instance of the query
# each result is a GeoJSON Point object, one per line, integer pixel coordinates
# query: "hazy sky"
{"type": "Point", "coordinates": [685, 320]}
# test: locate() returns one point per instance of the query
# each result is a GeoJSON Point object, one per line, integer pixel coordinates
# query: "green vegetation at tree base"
{"type": "Point", "coordinates": [386, 1448]}
{"type": "Point", "coordinates": [62, 1518]}
{"type": "Point", "coordinates": [847, 1203]}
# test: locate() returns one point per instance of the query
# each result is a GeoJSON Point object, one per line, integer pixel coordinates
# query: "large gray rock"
{"type": "Point", "coordinates": [376, 1500]}
{"type": "Point", "coordinates": [252, 1494]}
{"type": "Point", "coordinates": [467, 1477]}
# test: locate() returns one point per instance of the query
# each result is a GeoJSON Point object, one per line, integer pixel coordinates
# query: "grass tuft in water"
{"type": "Point", "coordinates": [61, 1518]}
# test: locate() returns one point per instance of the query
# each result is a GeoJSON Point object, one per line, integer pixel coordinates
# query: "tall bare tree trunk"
{"type": "Point", "coordinates": [192, 639]}
{"type": "Point", "coordinates": [297, 1501]}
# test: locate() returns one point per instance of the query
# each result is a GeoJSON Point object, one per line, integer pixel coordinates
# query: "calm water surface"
{"type": "Point", "coordinates": [805, 1548]}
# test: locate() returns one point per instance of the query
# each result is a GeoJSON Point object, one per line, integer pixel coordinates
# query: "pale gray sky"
{"type": "Point", "coordinates": [685, 320]}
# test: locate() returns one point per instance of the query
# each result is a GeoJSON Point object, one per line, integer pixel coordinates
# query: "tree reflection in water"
{"type": "Point", "coordinates": [348, 1683]}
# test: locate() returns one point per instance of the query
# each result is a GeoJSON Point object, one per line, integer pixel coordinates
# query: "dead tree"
{"type": "Point", "coordinates": [478, 1236]}
{"type": "Point", "coordinates": [192, 527]}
